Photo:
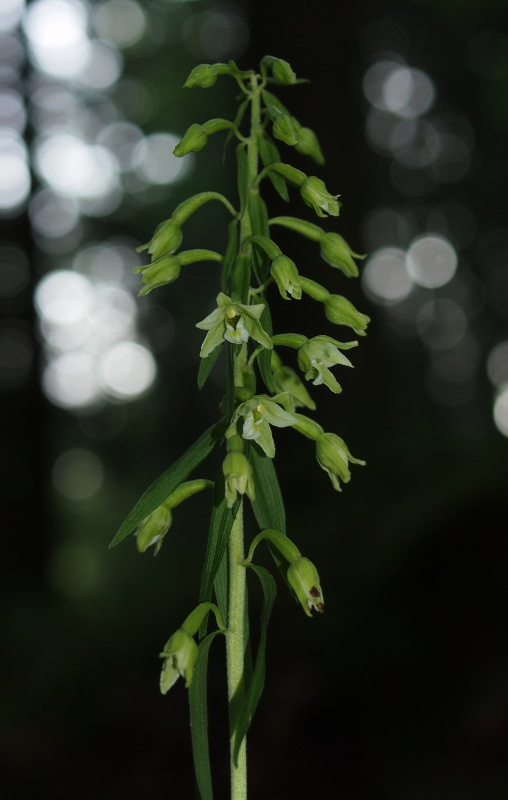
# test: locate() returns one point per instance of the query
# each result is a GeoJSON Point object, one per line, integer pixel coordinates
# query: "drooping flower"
{"type": "Point", "coordinates": [159, 273]}
{"type": "Point", "coordinates": [234, 322]}
{"type": "Point", "coordinates": [319, 353]}
{"type": "Point", "coordinates": [336, 252]}
{"type": "Point", "coordinates": [341, 312]}
{"type": "Point", "coordinates": [334, 457]}
{"type": "Point", "coordinates": [303, 578]}
{"type": "Point", "coordinates": [259, 413]}
{"type": "Point", "coordinates": [195, 138]}
{"type": "Point", "coordinates": [285, 274]}
{"type": "Point", "coordinates": [238, 477]}
{"type": "Point", "coordinates": [315, 194]}
{"type": "Point", "coordinates": [287, 381]}
{"type": "Point", "coordinates": [180, 654]}
{"type": "Point", "coordinates": [153, 529]}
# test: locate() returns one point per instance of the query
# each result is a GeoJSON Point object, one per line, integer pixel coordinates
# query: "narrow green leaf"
{"type": "Point", "coordinates": [265, 357]}
{"type": "Point", "coordinates": [166, 483]}
{"type": "Point", "coordinates": [230, 254]}
{"type": "Point", "coordinates": [241, 277]}
{"type": "Point", "coordinates": [207, 364]}
{"type": "Point", "coordinates": [221, 523]}
{"type": "Point", "coordinates": [268, 505]}
{"type": "Point", "coordinates": [237, 121]}
{"type": "Point", "coordinates": [269, 155]}
{"type": "Point", "coordinates": [220, 586]}
{"type": "Point", "coordinates": [199, 720]}
{"type": "Point", "coordinates": [243, 176]}
{"type": "Point", "coordinates": [270, 99]}
{"type": "Point", "coordinates": [255, 687]}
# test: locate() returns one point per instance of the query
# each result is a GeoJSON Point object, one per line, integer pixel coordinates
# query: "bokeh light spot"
{"type": "Point", "coordinates": [120, 21]}
{"type": "Point", "coordinates": [441, 323]}
{"type": "Point", "coordinates": [78, 474]}
{"type": "Point", "coordinates": [497, 364]}
{"type": "Point", "coordinates": [156, 162]}
{"type": "Point", "coordinates": [501, 411]}
{"type": "Point", "coordinates": [127, 370]}
{"type": "Point", "coordinates": [431, 261]}
{"type": "Point", "coordinates": [385, 277]}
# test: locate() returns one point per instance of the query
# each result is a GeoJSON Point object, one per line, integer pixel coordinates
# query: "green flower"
{"type": "Point", "coordinates": [166, 239]}
{"type": "Point", "coordinates": [238, 477]}
{"type": "Point", "coordinates": [259, 413]}
{"type": "Point", "coordinates": [284, 129]}
{"type": "Point", "coordinates": [153, 529]}
{"type": "Point", "coordinates": [234, 322]}
{"type": "Point", "coordinates": [159, 273]}
{"type": "Point", "coordinates": [287, 381]}
{"type": "Point", "coordinates": [317, 355]}
{"type": "Point", "coordinates": [180, 654]}
{"type": "Point", "coordinates": [303, 578]}
{"type": "Point", "coordinates": [333, 456]}
{"type": "Point", "coordinates": [285, 274]}
{"type": "Point", "coordinates": [194, 140]}
{"type": "Point", "coordinates": [308, 144]}
{"type": "Point", "coordinates": [314, 194]}
{"type": "Point", "coordinates": [336, 252]}
{"type": "Point", "coordinates": [204, 76]}
{"type": "Point", "coordinates": [341, 312]}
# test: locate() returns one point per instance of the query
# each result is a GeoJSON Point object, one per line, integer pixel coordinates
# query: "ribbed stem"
{"type": "Point", "coordinates": [235, 648]}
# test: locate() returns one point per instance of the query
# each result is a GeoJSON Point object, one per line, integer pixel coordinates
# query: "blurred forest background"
{"type": "Point", "coordinates": [400, 690]}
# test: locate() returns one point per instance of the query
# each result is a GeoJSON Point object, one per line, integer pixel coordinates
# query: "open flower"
{"type": "Point", "coordinates": [234, 322]}
{"type": "Point", "coordinates": [238, 477]}
{"type": "Point", "coordinates": [317, 355]}
{"type": "Point", "coordinates": [259, 413]}
{"type": "Point", "coordinates": [303, 578]}
{"type": "Point", "coordinates": [286, 380]}
{"type": "Point", "coordinates": [334, 457]}
{"type": "Point", "coordinates": [315, 194]}
{"type": "Point", "coordinates": [180, 654]}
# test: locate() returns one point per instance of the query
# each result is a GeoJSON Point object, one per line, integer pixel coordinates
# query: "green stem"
{"type": "Point", "coordinates": [235, 647]}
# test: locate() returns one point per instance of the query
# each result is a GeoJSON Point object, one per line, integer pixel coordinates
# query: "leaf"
{"type": "Point", "coordinates": [243, 176]}
{"type": "Point", "coordinates": [268, 505]}
{"type": "Point", "coordinates": [241, 277]}
{"type": "Point", "coordinates": [255, 687]}
{"type": "Point", "coordinates": [236, 122]}
{"type": "Point", "coordinates": [230, 254]}
{"type": "Point", "coordinates": [269, 155]}
{"type": "Point", "coordinates": [270, 100]}
{"type": "Point", "coordinates": [221, 523]}
{"type": "Point", "coordinates": [166, 483]}
{"type": "Point", "coordinates": [220, 586]}
{"type": "Point", "coordinates": [265, 357]}
{"type": "Point", "coordinates": [199, 720]}
{"type": "Point", "coordinates": [207, 364]}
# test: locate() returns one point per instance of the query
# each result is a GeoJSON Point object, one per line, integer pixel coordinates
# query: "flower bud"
{"type": "Point", "coordinates": [333, 456]}
{"type": "Point", "coordinates": [336, 252]}
{"type": "Point", "coordinates": [308, 144]}
{"type": "Point", "coordinates": [303, 578]}
{"type": "Point", "coordinates": [281, 70]}
{"type": "Point", "coordinates": [283, 271]}
{"type": "Point", "coordinates": [315, 195]}
{"type": "Point", "coordinates": [161, 272]}
{"type": "Point", "coordinates": [166, 239]}
{"type": "Point", "coordinates": [194, 140]}
{"type": "Point", "coordinates": [284, 129]}
{"type": "Point", "coordinates": [204, 76]}
{"type": "Point", "coordinates": [180, 655]}
{"type": "Point", "coordinates": [341, 312]}
{"type": "Point", "coordinates": [153, 529]}
{"type": "Point", "coordinates": [238, 476]}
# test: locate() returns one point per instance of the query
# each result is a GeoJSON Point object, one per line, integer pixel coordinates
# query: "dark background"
{"type": "Point", "coordinates": [400, 690]}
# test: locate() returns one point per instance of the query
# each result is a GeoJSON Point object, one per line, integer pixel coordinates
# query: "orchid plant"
{"type": "Point", "coordinates": [261, 393]}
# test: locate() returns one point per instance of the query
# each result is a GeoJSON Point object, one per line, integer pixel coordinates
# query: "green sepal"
{"type": "Point", "coordinates": [284, 129]}
{"type": "Point", "coordinates": [255, 688]}
{"type": "Point", "coordinates": [280, 69]}
{"type": "Point", "coordinates": [270, 155]}
{"type": "Point", "coordinates": [166, 483]}
{"type": "Point", "coordinates": [301, 226]}
{"type": "Point", "coordinates": [207, 364]}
